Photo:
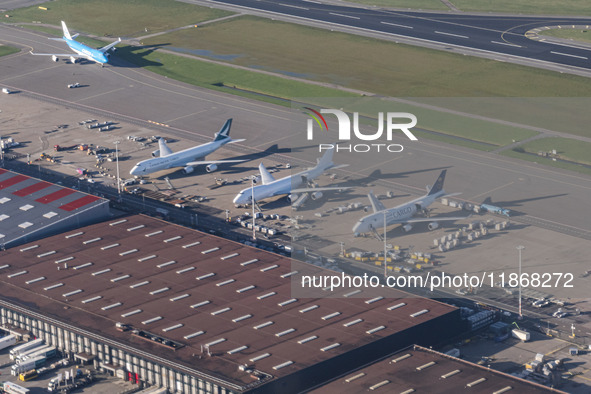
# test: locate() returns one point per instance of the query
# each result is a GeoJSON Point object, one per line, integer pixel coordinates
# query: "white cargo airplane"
{"type": "Point", "coordinates": [288, 185]}
{"type": "Point", "coordinates": [165, 159]}
{"type": "Point", "coordinates": [100, 55]}
{"type": "Point", "coordinates": [403, 214]}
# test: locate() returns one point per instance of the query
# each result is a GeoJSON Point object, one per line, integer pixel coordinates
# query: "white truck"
{"type": "Point", "coordinates": [7, 341]}
{"type": "Point", "coordinates": [27, 365]}
{"type": "Point", "coordinates": [20, 349]}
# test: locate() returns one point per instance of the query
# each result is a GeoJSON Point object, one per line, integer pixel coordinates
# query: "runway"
{"type": "Point", "coordinates": [544, 196]}
{"type": "Point", "coordinates": [492, 34]}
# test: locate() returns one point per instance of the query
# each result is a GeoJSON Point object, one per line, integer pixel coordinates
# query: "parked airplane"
{"type": "Point", "coordinates": [288, 185]}
{"type": "Point", "coordinates": [100, 55]}
{"type": "Point", "coordinates": [164, 158]}
{"type": "Point", "coordinates": [403, 214]}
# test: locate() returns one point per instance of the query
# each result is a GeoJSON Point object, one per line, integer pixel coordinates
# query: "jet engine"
{"type": "Point", "coordinates": [73, 59]}
{"type": "Point", "coordinates": [292, 197]}
{"type": "Point", "coordinates": [156, 153]}
{"type": "Point", "coordinates": [433, 225]}
{"type": "Point", "coordinates": [316, 195]}
{"type": "Point", "coordinates": [407, 228]}
{"type": "Point", "coordinates": [54, 58]}
{"type": "Point", "coordinates": [211, 168]}
{"type": "Point", "coordinates": [188, 170]}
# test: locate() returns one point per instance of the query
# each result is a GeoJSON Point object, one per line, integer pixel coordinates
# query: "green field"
{"type": "Point", "coordinates": [567, 149]}
{"type": "Point", "coordinates": [6, 50]}
{"type": "Point", "coordinates": [547, 161]}
{"type": "Point", "coordinates": [573, 34]}
{"type": "Point", "coordinates": [483, 134]}
{"type": "Point", "coordinates": [224, 78]}
{"type": "Point", "coordinates": [394, 69]}
{"type": "Point", "coordinates": [112, 18]}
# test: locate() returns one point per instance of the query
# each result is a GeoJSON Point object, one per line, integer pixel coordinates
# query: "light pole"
{"type": "Point", "coordinates": [520, 248]}
{"type": "Point", "coordinates": [254, 235]}
{"type": "Point", "coordinates": [117, 161]}
{"type": "Point", "coordinates": [385, 248]}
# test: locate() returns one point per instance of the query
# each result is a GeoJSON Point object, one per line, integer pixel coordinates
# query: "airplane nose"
{"type": "Point", "coordinates": [134, 170]}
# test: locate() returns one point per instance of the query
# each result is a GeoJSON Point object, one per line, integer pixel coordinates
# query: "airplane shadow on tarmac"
{"type": "Point", "coordinates": [135, 56]}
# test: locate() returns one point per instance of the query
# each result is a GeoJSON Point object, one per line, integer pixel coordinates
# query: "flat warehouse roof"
{"type": "Point", "coordinates": [421, 370]}
{"type": "Point", "coordinates": [29, 205]}
{"type": "Point", "coordinates": [199, 290]}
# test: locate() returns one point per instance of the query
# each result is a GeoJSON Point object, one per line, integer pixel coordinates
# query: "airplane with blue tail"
{"type": "Point", "coordinates": [100, 55]}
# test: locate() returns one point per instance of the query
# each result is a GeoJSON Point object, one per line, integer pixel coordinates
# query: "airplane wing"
{"type": "Point", "coordinates": [319, 189]}
{"type": "Point", "coordinates": [339, 166]}
{"type": "Point", "coordinates": [111, 45]}
{"type": "Point", "coordinates": [58, 54]}
{"type": "Point", "coordinates": [435, 219]}
{"type": "Point", "coordinates": [197, 163]}
{"type": "Point", "coordinates": [61, 39]}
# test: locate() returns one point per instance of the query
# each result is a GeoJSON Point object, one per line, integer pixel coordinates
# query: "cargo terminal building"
{"type": "Point", "coordinates": [195, 313]}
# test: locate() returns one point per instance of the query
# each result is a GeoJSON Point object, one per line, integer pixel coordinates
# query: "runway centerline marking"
{"type": "Point", "coordinates": [397, 25]}
{"type": "Point", "coordinates": [569, 55]}
{"type": "Point", "coordinates": [381, 163]}
{"type": "Point", "coordinates": [344, 16]}
{"type": "Point", "coordinates": [101, 94]}
{"type": "Point", "coordinates": [185, 116]}
{"type": "Point", "coordinates": [450, 34]}
{"type": "Point", "coordinates": [492, 190]}
{"type": "Point", "coordinates": [294, 6]}
{"type": "Point", "coordinates": [506, 43]}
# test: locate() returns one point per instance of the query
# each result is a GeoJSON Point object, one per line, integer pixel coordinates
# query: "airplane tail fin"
{"type": "Point", "coordinates": [375, 203]}
{"type": "Point", "coordinates": [224, 132]}
{"type": "Point", "coordinates": [438, 185]}
{"type": "Point", "coordinates": [164, 149]}
{"type": "Point", "coordinates": [66, 31]}
{"type": "Point", "coordinates": [326, 160]}
{"type": "Point", "coordinates": [266, 176]}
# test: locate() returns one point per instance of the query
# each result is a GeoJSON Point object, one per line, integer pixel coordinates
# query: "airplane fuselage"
{"type": "Point", "coordinates": [89, 53]}
{"type": "Point", "coordinates": [177, 159]}
{"type": "Point", "coordinates": [279, 187]}
{"type": "Point", "coordinates": [395, 215]}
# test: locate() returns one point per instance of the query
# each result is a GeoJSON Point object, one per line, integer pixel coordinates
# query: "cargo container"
{"type": "Point", "coordinates": [46, 351]}
{"type": "Point", "coordinates": [13, 388]}
{"type": "Point", "coordinates": [29, 352]}
{"type": "Point", "coordinates": [524, 336]}
{"type": "Point", "coordinates": [20, 349]}
{"type": "Point", "coordinates": [7, 341]}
